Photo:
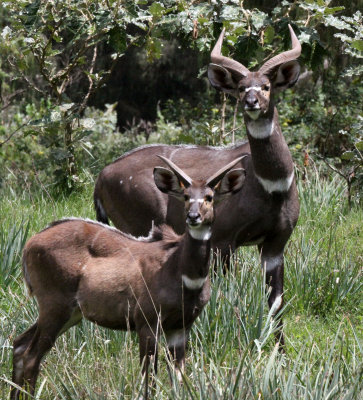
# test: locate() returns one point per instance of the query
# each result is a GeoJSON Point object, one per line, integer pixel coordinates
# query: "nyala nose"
{"type": "Point", "coordinates": [193, 216]}
{"type": "Point", "coordinates": [251, 101]}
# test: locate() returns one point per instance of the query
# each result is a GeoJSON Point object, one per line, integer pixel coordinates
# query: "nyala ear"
{"type": "Point", "coordinates": [286, 75]}
{"type": "Point", "coordinates": [167, 182]}
{"type": "Point", "coordinates": [231, 183]}
{"type": "Point", "coordinates": [222, 79]}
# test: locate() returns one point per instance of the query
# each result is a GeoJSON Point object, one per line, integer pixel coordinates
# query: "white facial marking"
{"type": "Point", "coordinates": [278, 185]}
{"type": "Point", "coordinates": [200, 201]}
{"type": "Point", "coordinates": [193, 284]}
{"type": "Point", "coordinates": [260, 129]}
{"type": "Point", "coordinates": [276, 304]}
{"type": "Point", "coordinates": [200, 232]}
{"type": "Point", "coordinates": [130, 178]}
{"type": "Point", "coordinates": [270, 263]}
{"type": "Point", "coordinates": [121, 182]}
{"type": "Point", "coordinates": [256, 88]}
{"type": "Point", "coordinates": [175, 338]}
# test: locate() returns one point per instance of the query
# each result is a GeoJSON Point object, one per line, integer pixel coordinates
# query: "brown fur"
{"type": "Point", "coordinates": [79, 268]}
{"type": "Point", "coordinates": [125, 191]}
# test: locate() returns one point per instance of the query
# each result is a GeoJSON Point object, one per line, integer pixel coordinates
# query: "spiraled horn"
{"type": "Point", "coordinates": [182, 176]}
{"type": "Point", "coordinates": [286, 56]}
{"type": "Point", "coordinates": [228, 63]}
{"type": "Point", "coordinates": [213, 180]}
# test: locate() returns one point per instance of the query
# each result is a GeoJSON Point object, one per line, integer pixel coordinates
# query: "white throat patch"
{"type": "Point", "coordinates": [260, 129]}
{"type": "Point", "coordinates": [200, 232]}
{"type": "Point", "coordinates": [278, 185]}
{"type": "Point", "coordinates": [193, 284]}
{"type": "Point", "coordinates": [253, 114]}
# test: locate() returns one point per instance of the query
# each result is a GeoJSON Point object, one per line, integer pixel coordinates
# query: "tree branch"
{"type": "Point", "coordinates": [8, 98]}
{"type": "Point", "coordinates": [13, 133]}
{"type": "Point", "coordinates": [91, 84]}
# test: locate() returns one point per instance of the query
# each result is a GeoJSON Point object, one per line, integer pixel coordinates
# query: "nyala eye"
{"type": "Point", "coordinates": [186, 197]}
{"type": "Point", "coordinates": [266, 87]}
{"type": "Point", "coordinates": [242, 89]}
{"type": "Point", "coordinates": [208, 198]}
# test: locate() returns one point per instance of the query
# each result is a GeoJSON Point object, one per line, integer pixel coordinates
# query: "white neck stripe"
{"type": "Point", "coordinates": [193, 284]}
{"type": "Point", "coordinates": [278, 185]}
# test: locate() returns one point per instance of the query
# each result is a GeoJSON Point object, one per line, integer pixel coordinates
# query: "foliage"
{"type": "Point", "coordinates": [56, 56]}
{"type": "Point", "coordinates": [322, 121]}
{"type": "Point", "coordinates": [56, 50]}
{"type": "Point", "coordinates": [201, 124]}
{"type": "Point", "coordinates": [351, 35]}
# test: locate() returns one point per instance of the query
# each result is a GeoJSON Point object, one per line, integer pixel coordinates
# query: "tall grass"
{"type": "Point", "coordinates": [232, 352]}
{"type": "Point", "coordinates": [12, 241]}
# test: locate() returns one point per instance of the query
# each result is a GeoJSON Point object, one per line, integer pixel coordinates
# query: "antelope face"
{"type": "Point", "coordinates": [198, 205]}
{"type": "Point", "coordinates": [254, 93]}
{"type": "Point", "coordinates": [254, 89]}
{"type": "Point", "coordinates": [199, 197]}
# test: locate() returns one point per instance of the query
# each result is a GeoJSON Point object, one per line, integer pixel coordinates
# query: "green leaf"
{"type": "Point", "coordinates": [30, 14]}
{"type": "Point", "coordinates": [332, 10]}
{"type": "Point", "coordinates": [117, 39]}
{"type": "Point", "coordinates": [258, 19]}
{"type": "Point", "coordinates": [337, 23]}
{"type": "Point", "coordinates": [347, 155]}
{"type": "Point", "coordinates": [202, 20]}
{"type": "Point", "coordinates": [269, 34]}
{"type": "Point", "coordinates": [304, 37]}
{"type": "Point", "coordinates": [88, 123]}
{"type": "Point", "coordinates": [153, 48]}
{"type": "Point", "coordinates": [358, 44]}
{"type": "Point", "coordinates": [359, 145]}
{"type": "Point", "coordinates": [317, 55]}
{"type": "Point", "coordinates": [66, 106]}
{"type": "Point", "coordinates": [60, 154]}
{"type": "Point", "coordinates": [185, 138]}
{"type": "Point", "coordinates": [230, 13]}
{"type": "Point", "coordinates": [156, 9]}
